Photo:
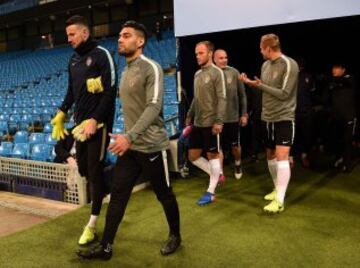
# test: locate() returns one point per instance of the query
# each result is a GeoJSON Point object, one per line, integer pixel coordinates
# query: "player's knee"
{"type": "Point", "coordinates": [193, 157]}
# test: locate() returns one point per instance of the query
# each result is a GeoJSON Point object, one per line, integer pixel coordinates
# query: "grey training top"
{"type": "Point", "coordinates": [279, 85]}
{"type": "Point", "coordinates": [209, 102]}
{"type": "Point", "coordinates": [141, 92]}
{"type": "Point", "coordinates": [236, 104]}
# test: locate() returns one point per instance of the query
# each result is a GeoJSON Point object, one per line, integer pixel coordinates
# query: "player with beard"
{"type": "Point", "coordinates": [142, 149]}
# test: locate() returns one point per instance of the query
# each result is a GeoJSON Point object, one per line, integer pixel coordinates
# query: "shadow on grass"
{"type": "Point", "coordinates": [312, 187]}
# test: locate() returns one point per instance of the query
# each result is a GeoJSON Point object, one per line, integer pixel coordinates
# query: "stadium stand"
{"type": "Point", "coordinates": [34, 85]}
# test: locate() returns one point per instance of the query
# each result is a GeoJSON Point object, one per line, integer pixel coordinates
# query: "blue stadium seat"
{"type": "Point", "coordinates": [47, 128]}
{"type": "Point", "coordinates": [41, 152]}
{"type": "Point", "coordinates": [111, 158]}
{"type": "Point", "coordinates": [21, 136]}
{"type": "Point", "coordinates": [4, 117]}
{"type": "Point", "coordinates": [45, 118]}
{"type": "Point", "coordinates": [69, 125]}
{"type": "Point", "coordinates": [14, 123]}
{"type": "Point", "coordinates": [21, 150]}
{"type": "Point", "coordinates": [49, 139]}
{"type": "Point", "coordinates": [118, 128]}
{"type": "Point", "coordinates": [6, 148]}
{"type": "Point", "coordinates": [37, 138]}
{"type": "Point", "coordinates": [4, 129]}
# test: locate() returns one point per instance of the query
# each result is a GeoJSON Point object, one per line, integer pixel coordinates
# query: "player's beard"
{"type": "Point", "coordinates": [127, 52]}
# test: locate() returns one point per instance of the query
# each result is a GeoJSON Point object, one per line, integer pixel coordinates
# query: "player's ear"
{"type": "Point", "coordinates": [85, 31]}
{"type": "Point", "coordinates": [141, 42]}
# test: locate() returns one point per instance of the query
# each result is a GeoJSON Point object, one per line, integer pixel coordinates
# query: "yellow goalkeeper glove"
{"type": "Point", "coordinates": [94, 85]}
{"type": "Point", "coordinates": [59, 131]}
{"type": "Point", "coordinates": [78, 131]}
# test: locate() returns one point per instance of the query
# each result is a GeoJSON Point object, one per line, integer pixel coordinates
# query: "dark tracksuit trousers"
{"type": "Point", "coordinates": [91, 156]}
{"type": "Point", "coordinates": [303, 130]}
{"type": "Point", "coordinates": [345, 130]}
{"type": "Point", "coordinates": [126, 172]}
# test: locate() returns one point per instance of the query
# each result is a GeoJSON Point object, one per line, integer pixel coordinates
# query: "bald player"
{"type": "Point", "coordinates": [236, 107]}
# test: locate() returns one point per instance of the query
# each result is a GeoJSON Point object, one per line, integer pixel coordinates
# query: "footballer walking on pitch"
{"type": "Point", "coordinates": [92, 88]}
{"type": "Point", "coordinates": [278, 82]}
{"type": "Point", "coordinates": [143, 148]}
{"type": "Point", "coordinates": [236, 107]}
{"type": "Point", "coordinates": [207, 110]}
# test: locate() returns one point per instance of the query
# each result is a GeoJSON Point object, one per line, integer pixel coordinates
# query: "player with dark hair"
{"type": "Point", "coordinates": [92, 89]}
{"type": "Point", "coordinates": [143, 148]}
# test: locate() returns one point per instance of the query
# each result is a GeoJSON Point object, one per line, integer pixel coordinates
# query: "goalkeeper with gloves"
{"type": "Point", "coordinates": [92, 90]}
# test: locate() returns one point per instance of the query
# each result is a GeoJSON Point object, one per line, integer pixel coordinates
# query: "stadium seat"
{"type": "Point", "coordinates": [49, 139]}
{"type": "Point", "coordinates": [4, 129]}
{"type": "Point", "coordinates": [6, 149]}
{"type": "Point", "coordinates": [47, 128]}
{"type": "Point", "coordinates": [21, 150]}
{"type": "Point", "coordinates": [45, 118]}
{"type": "Point", "coordinates": [25, 122]}
{"type": "Point", "coordinates": [69, 125]}
{"type": "Point", "coordinates": [4, 117]}
{"type": "Point", "coordinates": [37, 138]}
{"type": "Point", "coordinates": [14, 123]}
{"type": "Point", "coordinates": [41, 152]}
{"type": "Point", "coordinates": [21, 136]}
{"type": "Point", "coordinates": [118, 128]}
{"type": "Point", "coordinates": [110, 158]}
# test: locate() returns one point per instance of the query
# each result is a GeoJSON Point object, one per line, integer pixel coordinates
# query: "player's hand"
{"type": "Point", "coordinates": [244, 120]}
{"type": "Point", "coordinates": [90, 128]}
{"type": "Point", "coordinates": [217, 128]}
{"type": "Point", "coordinates": [120, 145]}
{"type": "Point", "coordinates": [252, 83]}
{"type": "Point", "coordinates": [188, 121]}
{"type": "Point", "coordinates": [84, 130]}
{"type": "Point", "coordinates": [71, 161]}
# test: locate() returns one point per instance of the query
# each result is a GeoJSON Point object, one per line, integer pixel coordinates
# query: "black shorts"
{"type": "Point", "coordinates": [203, 138]}
{"type": "Point", "coordinates": [278, 133]}
{"type": "Point", "coordinates": [230, 136]}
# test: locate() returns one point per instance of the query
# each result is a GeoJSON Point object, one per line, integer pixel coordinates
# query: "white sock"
{"type": "Point", "coordinates": [273, 166]}
{"type": "Point", "coordinates": [92, 221]}
{"type": "Point", "coordinates": [283, 178]}
{"type": "Point", "coordinates": [215, 168]}
{"type": "Point", "coordinates": [237, 162]}
{"type": "Point", "coordinates": [203, 164]}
